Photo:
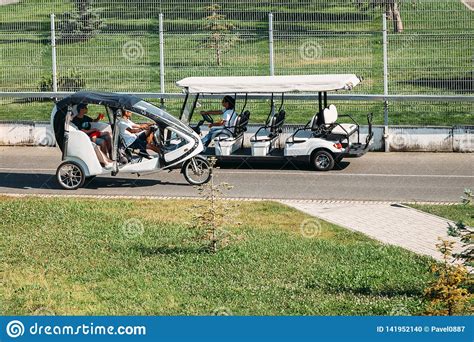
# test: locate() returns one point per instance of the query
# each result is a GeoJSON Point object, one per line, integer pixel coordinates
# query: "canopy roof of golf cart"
{"type": "Point", "coordinates": [269, 84]}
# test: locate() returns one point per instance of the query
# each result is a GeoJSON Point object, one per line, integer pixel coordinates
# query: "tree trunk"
{"type": "Point", "coordinates": [396, 17]}
{"type": "Point", "coordinates": [218, 55]}
{"type": "Point", "coordinates": [388, 11]}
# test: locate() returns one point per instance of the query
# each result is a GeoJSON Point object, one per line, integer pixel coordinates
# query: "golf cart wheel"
{"type": "Point", "coordinates": [197, 171]}
{"type": "Point", "coordinates": [322, 160]}
{"type": "Point", "coordinates": [70, 175]}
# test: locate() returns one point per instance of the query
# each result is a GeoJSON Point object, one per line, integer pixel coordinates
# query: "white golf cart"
{"type": "Point", "coordinates": [179, 145]}
{"type": "Point", "coordinates": [322, 141]}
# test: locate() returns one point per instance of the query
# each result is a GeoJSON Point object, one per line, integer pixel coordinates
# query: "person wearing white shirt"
{"type": "Point", "coordinates": [227, 120]}
{"type": "Point", "coordinates": [136, 136]}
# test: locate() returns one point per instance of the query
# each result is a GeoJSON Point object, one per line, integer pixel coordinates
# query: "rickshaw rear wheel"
{"type": "Point", "coordinates": [322, 160]}
{"type": "Point", "coordinates": [70, 175]}
{"type": "Point", "coordinates": [197, 171]}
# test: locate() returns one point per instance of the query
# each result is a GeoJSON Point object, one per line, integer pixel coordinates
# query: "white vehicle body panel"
{"type": "Point", "coordinates": [145, 165]}
{"type": "Point", "coordinates": [80, 147]}
{"type": "Point", "coordinates": [305, 148]}
{"type": "Point", "coordinates": [228, 146]}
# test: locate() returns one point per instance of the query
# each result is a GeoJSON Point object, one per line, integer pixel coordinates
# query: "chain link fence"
{"type": "Point", "coordinates": [115, 46]}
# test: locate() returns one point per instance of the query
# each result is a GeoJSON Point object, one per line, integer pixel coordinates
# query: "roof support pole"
{"type": "Point", "coordinates": [320, 118]}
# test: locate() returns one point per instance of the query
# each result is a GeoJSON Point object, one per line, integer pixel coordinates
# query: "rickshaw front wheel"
{"type": "Point", "coordinates": [197, 170]}
{"type": "Point", "coordinates": [70, 175]}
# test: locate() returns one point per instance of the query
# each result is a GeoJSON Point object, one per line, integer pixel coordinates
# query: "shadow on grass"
{"type": "Point", "coordinates": [368, 291]}
{"type": "Point", "coordinates": [464, 84]}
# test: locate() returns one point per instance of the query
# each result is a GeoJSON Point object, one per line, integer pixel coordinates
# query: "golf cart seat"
{"type": "Point", "coordinates": [306, 132]}
{"type": "Point", "coordinates": [230, 139]}
{"type": "Point", "coordinates": [264, 139]}
{"type": "Point", "coordinates": [329, 127]}
{"type": "Point", "coordinates": [330, 117]}
{"type": "Point", "coordinates": [272, 129]}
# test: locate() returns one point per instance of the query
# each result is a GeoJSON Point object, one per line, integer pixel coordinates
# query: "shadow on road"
{"type": "Point", "coordinates": [274, 165]}
{"type": "Point", "coordinates": [113, 182]}
{"type": "Point", "coordinates": [48, 181]}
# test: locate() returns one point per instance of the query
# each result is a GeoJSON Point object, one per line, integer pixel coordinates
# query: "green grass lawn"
{"type": "Point", "coordinates": [71, 256]}
{"type": "Point", "coordinates": [458, 212]}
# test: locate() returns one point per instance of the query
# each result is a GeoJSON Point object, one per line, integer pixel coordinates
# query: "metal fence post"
{"type": "Point", "coordinates": [53, 54]}
{"type": "Point", "coordinates": [162, 56]}
{"type": "Point", "coordinates": [270, 42]}
{"type": "Point", "coordinates": [385, 82]}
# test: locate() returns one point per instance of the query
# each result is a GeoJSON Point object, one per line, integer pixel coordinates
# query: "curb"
{"type": "Point", "coordinates": [244, 199]}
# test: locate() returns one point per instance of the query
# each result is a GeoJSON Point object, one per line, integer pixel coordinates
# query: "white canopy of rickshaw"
{"type": "Point", "coordinates": [269, 84]}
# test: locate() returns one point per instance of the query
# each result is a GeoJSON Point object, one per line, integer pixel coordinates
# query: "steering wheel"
{"type": "Point", "coordinates": [208, 118]}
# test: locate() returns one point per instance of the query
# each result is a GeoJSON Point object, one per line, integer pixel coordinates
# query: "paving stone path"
{"type": "Point", "coordinates": [389, 223]}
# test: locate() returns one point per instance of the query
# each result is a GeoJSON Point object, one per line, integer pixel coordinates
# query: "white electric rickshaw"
{"type": "Point", "coordinates": [322, 141]}
{"type": "Point", "coordinates": [179, 146]}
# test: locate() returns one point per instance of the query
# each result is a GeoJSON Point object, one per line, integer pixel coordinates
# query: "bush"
{"type": "Point", "coordinates": [71, 81]}
{"type": "Point", "coordinates": [448, 295]}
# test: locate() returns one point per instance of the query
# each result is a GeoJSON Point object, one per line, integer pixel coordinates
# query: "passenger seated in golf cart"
{"type": "Point", "coordinates": [225, 124]}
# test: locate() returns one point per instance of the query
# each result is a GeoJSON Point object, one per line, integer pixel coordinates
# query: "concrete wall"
{"type": "Point", "coordinates": [433, 139]}
{"type": "Point", "coordinates": [400, 138]}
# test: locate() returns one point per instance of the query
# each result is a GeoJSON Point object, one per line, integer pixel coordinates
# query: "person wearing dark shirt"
{"type": "Point", "coordinates": [83, 123]}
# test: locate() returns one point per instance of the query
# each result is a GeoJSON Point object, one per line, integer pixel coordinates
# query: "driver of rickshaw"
{"type": "Point", "coordinates": [137, 136]}
{"type": "Point", "coordinates": [227, 117]}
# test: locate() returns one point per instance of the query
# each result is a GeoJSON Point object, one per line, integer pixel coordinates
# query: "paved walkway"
{"type": "Point", "coordinates": [8, 2]}
{"type": "Point", "coordinates": [389, 223]}
{"type": "Point", "coordinates": [469, 4]}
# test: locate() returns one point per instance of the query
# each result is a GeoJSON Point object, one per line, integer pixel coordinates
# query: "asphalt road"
{"type": "Point", "coordinates": [376, 176]}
